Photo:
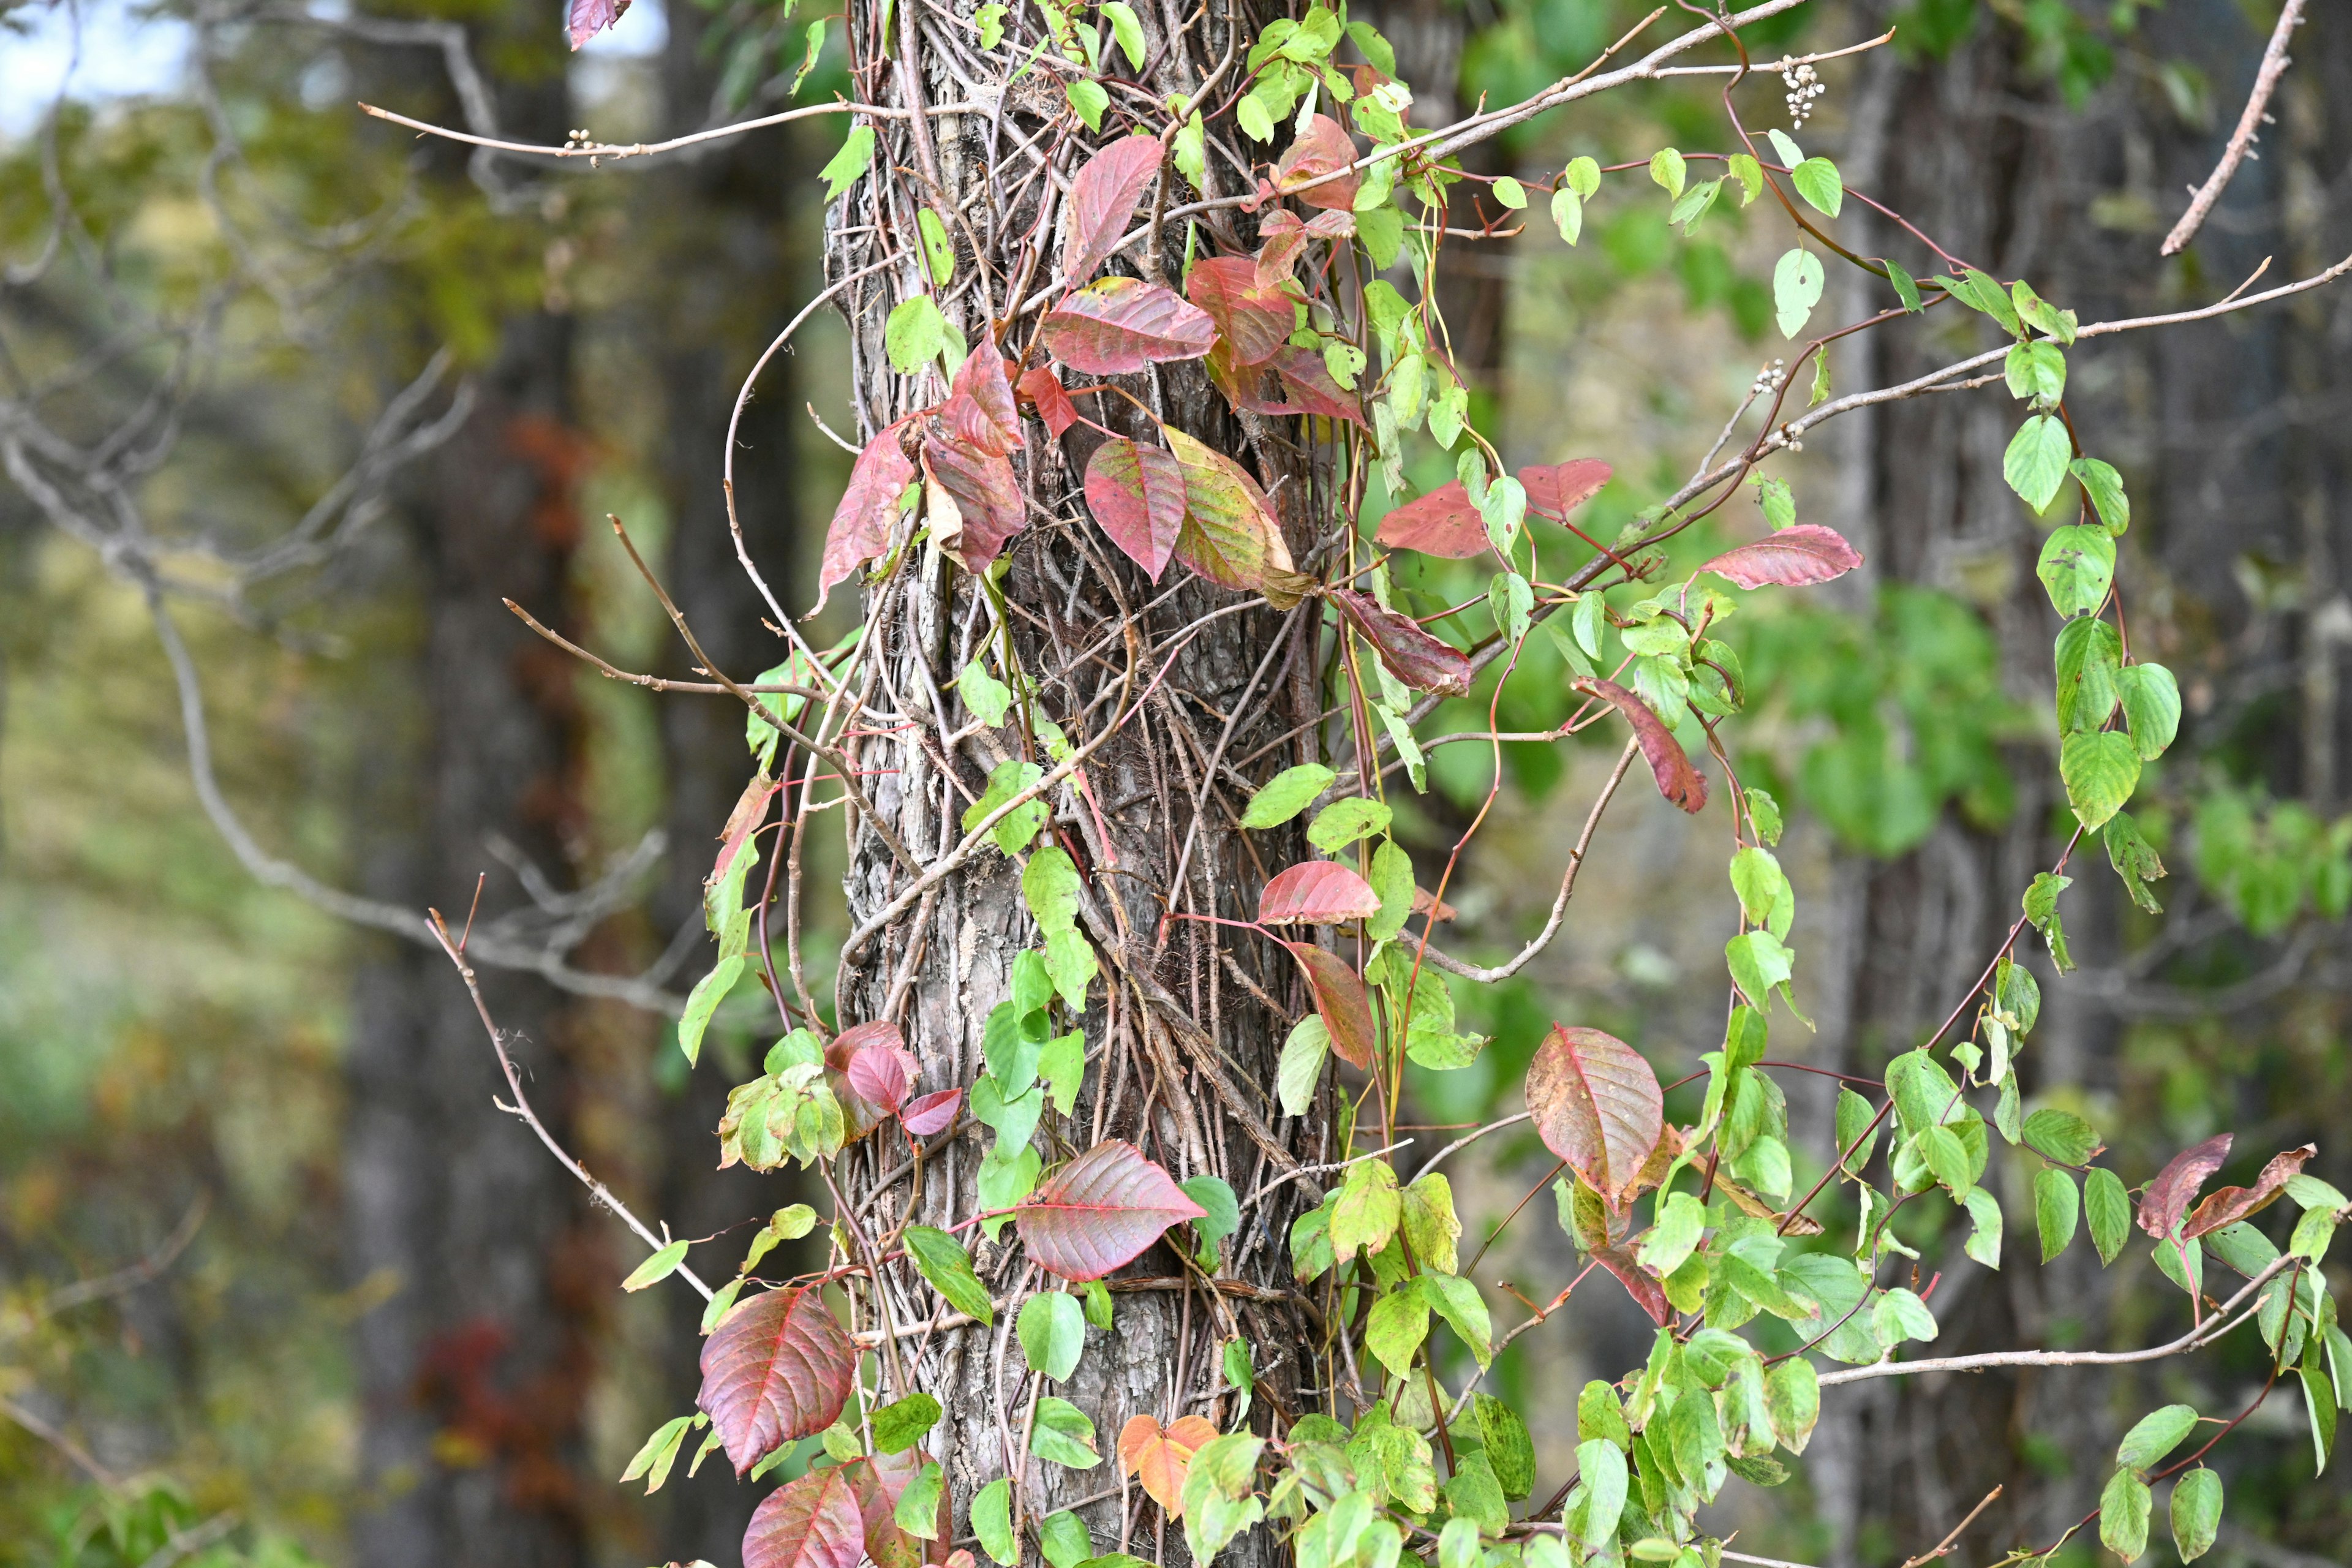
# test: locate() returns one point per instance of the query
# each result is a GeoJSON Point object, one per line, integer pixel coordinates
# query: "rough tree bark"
{"type": "Point", "coordinates": [1182, 1038]}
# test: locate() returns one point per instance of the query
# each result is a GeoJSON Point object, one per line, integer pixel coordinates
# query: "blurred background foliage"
{"type": "Point", "coordinates": [209, 1351]}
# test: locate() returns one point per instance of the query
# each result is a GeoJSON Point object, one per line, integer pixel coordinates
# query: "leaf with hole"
{"type": "Point", "coordinates": [778, 1368]}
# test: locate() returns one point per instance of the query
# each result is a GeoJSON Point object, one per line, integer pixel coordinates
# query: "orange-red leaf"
{"type": "Point", "coordinates": [1413, 656]}
{"type": "Point", "coordinates": [1442, 522]}
{"type": "Point", "coordinates": [1102, 199]}
{"type": "Point", "coordinates": [986, 495]}
{"type": "Point", "coordinates": [1324, 149]}
{"type": "Point", "coordinates": [1797, 555]}
{"type": "Point", "coordinates": [812, 1522]}
{"type": "Point", "coordinates": [1042, 388]}
{"type": "Point", "coordinates": [1559, 488]}
{"type": "Point", "coordinates": [861, 523]}
{"type": "Point", "coordinates": [1100, 1211]}
{"type": "Point", "coordinates": [1340, 998]}
{"type": "Point", "coordinates": [1678, 780]}
{"type": "Point", "coordinates": [1121, 325]}
{"type": "Point", "coordinates": [777, 1368]}
{"type": "Point", "coordinates": [2230, 1204]}
{"type": "Point", "coordinates": [1159, 1456]}
{"type": "Point", "coordinates": [1253, 320]}
{"type": "Point", "coordinates": [980, 410]}
{"type": "Point", "coordinates": [1137, 495]}
{"type": "Point", "coordinates": [2167, 1198]}
{"type": "Point", "coordinates": [1597, 1105]}
{"type": "Point", "coordinates": [1316, 892]}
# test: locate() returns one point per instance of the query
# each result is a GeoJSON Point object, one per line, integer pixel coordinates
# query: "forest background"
{"type": "Point", "coordinates": [279, 1284]}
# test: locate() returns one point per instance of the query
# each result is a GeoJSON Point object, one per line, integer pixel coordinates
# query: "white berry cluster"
{"type": "Point", "coordinates": [1768, 379]}
{"type": "Point", "coordinates": [578, 139]}
{"type": "Point", "coordinates": [1804, 85]}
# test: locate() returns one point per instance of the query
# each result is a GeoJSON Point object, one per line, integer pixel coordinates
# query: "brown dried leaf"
{"type": "Point", "coordinates": [2167, 1198]}
{"type": "Point", "coordinates": [1413, 656]}
{"type": "Point", "coordinates": [2230, 1204]}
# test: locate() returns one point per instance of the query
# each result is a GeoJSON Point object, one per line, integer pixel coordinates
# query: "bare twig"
{"type": "Point", "coordinates": [2241, 140]}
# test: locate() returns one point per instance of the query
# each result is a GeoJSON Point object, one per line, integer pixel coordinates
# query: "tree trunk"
{"type": "Point", "coordinates": [1182, 1032]}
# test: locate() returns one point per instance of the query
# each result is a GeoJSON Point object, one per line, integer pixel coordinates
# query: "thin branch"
{"type": "Point", "coordinates": [600, 151]}
{"type": "Point", "coordinates": [60, 1442]}
{"type": "Point", "coordinates": [1946, 1544]}
{"type": "Point", "coordinates": [137, 1274]}
{"type": "Point", "coordinates": [2241, 140]}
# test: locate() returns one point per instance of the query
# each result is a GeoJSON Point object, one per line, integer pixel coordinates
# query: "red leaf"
{"type": "Point", "coordinates": [862, 1111]}
{"type": "Point", "coordinates": [1323, 150]}
{"type": "Point", "coordinates": [930, 1114]}
{"type": "Point", "coordinates": [1281, 236]}
{"type": "Point", "coordinates": [1253, 320]}
{"type": "Point", "coordinates": [2167, 1198]}
{"type": "Point", "coordinates": [1100, 1211]}
{"type": "Point", "coordinates": [1042, 388]}
{"type": "Point", "coordinates": [861, 523]}
{"type": "Point", "coordinates": [586, 19]}
{"type": "Point", "coordinates": [1315, 893]}
{"type": "Point", "coordinates": [1442, 522]}
{"type": "Point", "coordinates": [1413, 656]}
{"type": "Point", "coordinates": [1803, 553]}
{"type": "Point", "coordinates": [1102, 199]}
{"type": "Point", "coordinates": [1121, 325]}
{"type": "Point", "coordinates": [1332, 225]}
{"type": "Point", "coordinates": [1312, 391]}
{"type": "Point", "coordinates": [1639, 1282]}
{"type": "Point", "coordinates": [878, 1074]}
{"type": "Point", "coordinates": [2231, 1205]}
{"type": "Point", "coordinates": [1229, 535]}
{"type": "Point", "coordinates": [812, 1522]}
{"type": "Point", "coordinates": [1137, 494]}
{"type": "Point", "coordinates": [980, 410]}
{"type": "Point", "coordinates": [776, 1368]}
{"type": "Point", "coordinates": [986, 499]}
{"type": "Point", "coordinates": [1597, 1105]}
{"type": "Point", "coordinates": [1563, 487]}
{"type": "Point", "coordinates": [878, 1483]}
{"type": "Point", "coordinates": [1340, 997]}
{"type": "Point", "coordinates": [1678, 781]}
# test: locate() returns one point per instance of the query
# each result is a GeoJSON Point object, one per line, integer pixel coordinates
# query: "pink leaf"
{"type": "Point", "coordinates": [1340, 999]}
{"type": "Point", "coordinates": [1100, 1211]}
{"type": "Point", "coordinates": [1442, 522]}
{"type": "Point", "coordinates": [776, 1368]}
{"type": "Point", "coordinates": [2167, 1198]}
{"type": "Point", "coordinates": [1311, 390]}
{"type": "Point", "coordinates": [1042, 388]}
{"type": "Point", "coordinates": [812, 1522]}
{"type": "Point", "coordinates": [986, 496]}
{"type": "Point", "coordinates": [930, 1114]}
{"type": "Point", "coordinates": [1137, 494]}
{"type": "Point", "coordinates": [1561, 488]}
{"type": "Point", "coordinates": [1322, 151]}
{"type": "Point", "coordinates": [1121, 325]}
{"type": "Point", "coordinates": [2230, 1204]}
{"type": "Point", "coordinates": [1318, 893]}
{"type": "Point", "coordinates": [1281, 236]}
{"type": "Point", "coordinates": [1253, 320]}
{"type": "Point", "coordinates": [1678, 781]}
{"type": "Point", "coordinates": [878, 1067]}
{"type": "Point", "coordinates": [1102, 200]}
{"type": "Point", "coordinates": [1413, 656]}
{"type": "Point", "coordinates": [979, 409]}
{"type": "Point", "coordinates": [1597, 1105]}
{"type": "Point", "coordinates": [586, 19]}
{"type": "Point", "coordinates": [861, 523]}
{"type": "Point", "coordinates": [1797, 555]}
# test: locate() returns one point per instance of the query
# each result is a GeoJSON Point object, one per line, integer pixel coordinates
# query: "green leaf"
{"type": "Point", "coordinates": [1223, 1216]}
{"type": "Point", "coordinates": [1676, 1235]}
{"type": "Point", "coordinates": [2151, 700]}
{"type": "Point", "coordinates": [2312, 1233]}
{"type": "Point", "coordinates": [1254, 117]}
{"type": "Point", "coordinates": [1691, 208]}
{"type": "Point", "coordinates": [1750, 175]}
{"type": "Point", "coordinates": [1765, 897]}
{"type": "Point", "coordinates": [989, 20]}
{"type": "Point", "coordinates": [1129, 32]}
{"type": "Point", "coordinates": [1049, 886]}
{"type": "Point", "coordinates": [2035, 463]}
{"type": "Point", "coordinates": [938, 250]}
{"type": "Point", "coordinates": [1287, 795]}
{"type": "Point", "coordinates": [2105, 488]}
{"type": "Point", "coordinates": [703, 1001]}
{"type": "Point", "coordinates": [992, 1521]}
{"type": "Point", "coordinates": [1070, 964]}
{"type": "Point", "coordinates": [2061, 1136]}
{"type": "Point", "coordinates": [914, 334]}
{"type": "Point", "coordinates": [2037, 312]}
{"type": "Point", "coordinates": [2196, 1513]}
{"type": "Point", "coordinates": [2123, 1515]}
{"type": "Point", "coordinates": [1088, 97]}
{"type": "Point", "coordinates": [917, 1509]}
{"type": "Point", "coordinates": [1797, 280]}
{"type": "Point", "coordinates": [1764, 814]}
{"type": "Point", "coordinates": [1301, 1065]}
{"type": "Point", "coordinates": [899, 1426]}
{"type": "Point", "coordinates": [1898, 1315]}
{"type": "Point", "coordinates": [1097, 1304]}
{"type": "Point", "coordinates": [2154, 1436]}
{"type": "Point", "coordinates": [1458, 1302]}
{"type": "Point", "coordinates": [2056, 1206]}
{"type": "Point", "coordinates": [1510, 1452]}
{"type": "Point", "coordinates": [1343, 822]}
{"type": "Point", "coordinates": [1426, 1210]}
{"type": "Point", "coordinates": [1817, 181]}
{"type": "Point", "coordinates": [987, 696]}
{"type": "Point", "coordinates": [660, 1452]}
{"type": "Point", "coordinates": [1979, 292]}
{"type": "Point", "coordinates": [1008, 779]}
{"type": "Point", "coordinates": [2078, 563]}
{"type": "Point", "coordinates": [1060, 1432]}
{"type": "Point", "coordinates": [2319, 1406]}
{"type": "Point", "coordinates": [1601, 1477]}
{"type": "Point", "coordinates": [2134, 860]}
{"type": "Point", "coordinates": [1367, 1210]}
{"type": "Point", "coordinates": [1510, 192]}
{"type": "Point", "coordinates": [2100, 770]}
{"type": "Point", "coordinates": [942, 1261]}
{"type": "Point", "coordinates": [1667, 169]}
{"type": "Point", "coordinates": [1793, 1397]}
{"type": "Point", "coordinates": [1397, 1326]}
{"type": "Point", "coordinates": [856, 153]}
{"type": "Point", "coordinates": [2088, 658]}
{"type": "Point", "coordinates": [656, 1268]}
{"type": "Point", "coordinates": [1905, 289]}
{"type": "Point", "coordinates": [2036, 372]}
{"type": "Point", "coordinates": [1568, 214]}
{"type": "Point", "coordinates": [1052, 1328]}
{"type": "Point", "coordinates": [1984, 1214]}
{"type": "Point", "coordinates": [2107, 1208]}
